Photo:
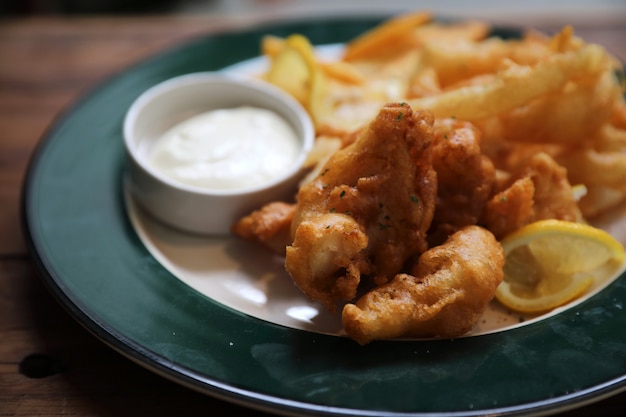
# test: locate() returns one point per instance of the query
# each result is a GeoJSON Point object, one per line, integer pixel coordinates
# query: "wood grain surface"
{"type": "Point", "coordinates": [49, 364]}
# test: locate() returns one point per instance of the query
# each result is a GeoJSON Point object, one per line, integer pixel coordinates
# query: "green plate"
{"type": "Point", "coordinates": [94, 263]}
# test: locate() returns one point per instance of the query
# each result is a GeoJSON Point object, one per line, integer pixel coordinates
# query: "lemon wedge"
{"type": "Point", "coordinates": [550, 263]}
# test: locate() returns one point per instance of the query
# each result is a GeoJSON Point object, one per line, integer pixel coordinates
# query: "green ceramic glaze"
{"type": "Point", "coordinates": [96, 266]}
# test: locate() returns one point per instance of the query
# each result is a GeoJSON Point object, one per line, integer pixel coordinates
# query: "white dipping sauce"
{"type": "Point", "coordinates": [227, 148]}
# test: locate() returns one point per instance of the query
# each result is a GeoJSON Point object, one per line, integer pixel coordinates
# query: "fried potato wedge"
{"type": "Point", "coordinates": [389, 36]}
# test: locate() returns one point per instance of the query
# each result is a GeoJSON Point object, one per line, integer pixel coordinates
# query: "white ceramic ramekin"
{"type": "Point", "coordinates": [194, 209]}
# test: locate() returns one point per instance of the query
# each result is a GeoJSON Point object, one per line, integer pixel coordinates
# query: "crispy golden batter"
{"type": "Point", "coordinates": [510, 209]}
{"type": "Point", "coordinates": [465, 178]}
{"type": "Point", "coordinates": [270, 226]}
{"type": "Point", "coordinates": [444, 296]}
{"type": "Point", "coordinates": [554, 198]}
{"type": "Point", "coordinates": [541, 190]}
{"type": "Point", "coordinates": [368, 210]}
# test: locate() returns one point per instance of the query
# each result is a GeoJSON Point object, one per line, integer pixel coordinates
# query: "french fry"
{"type": "Point", "coordinates": [343, 72]}
{"type": "Point", "coordinates": [271, 45]}
{"type": "Point", "coordinates": [594, 168]}
{"type": "Point", "coordinates": [600, 200]}
{"type": "Point", "coordinates": [390, 35]}
{"type": "Point", "coordinates": [445, 34]}
{"type": "Point", "coordinates": [515, 86]}
{"type": "Point", "coordinates": [572, 115]}
{"type": "Point", "coordinates": [460, 60]}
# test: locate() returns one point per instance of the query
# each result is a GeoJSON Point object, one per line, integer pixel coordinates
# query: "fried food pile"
{"type": "Point", "coordinates": [368, 211]}
{"type": "Point", "coordinates": [444, 294]}
{"type": "Point", "coordinates": [433, 142]}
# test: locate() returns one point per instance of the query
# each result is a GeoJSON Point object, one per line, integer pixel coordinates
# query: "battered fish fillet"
{"type": "Point", "coordinates": [511, 208]}
{"type": "Point", "coordinates": [270, 226]}
{"type": "Point", "coordinates": [541, 190]}
{"type": "Point", "coordinates": [445, 296]}
{"type": "Point", "coordinates": [465, 178]}
{"type": "Point", "coordinates": [368, 210]}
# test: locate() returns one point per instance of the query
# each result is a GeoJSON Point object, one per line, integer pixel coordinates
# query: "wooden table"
{"type": "Point", "coordinates": [46, 64]}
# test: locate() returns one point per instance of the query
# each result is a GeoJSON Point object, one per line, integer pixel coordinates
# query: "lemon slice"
{"type": "Point", "coordinates": [549, 263]}
{"type": "Point", "coordinates": [295, 69]}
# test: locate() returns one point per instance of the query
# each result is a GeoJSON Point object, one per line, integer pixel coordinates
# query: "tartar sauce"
{"type": "Point", "coordinates": [227, 148]}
